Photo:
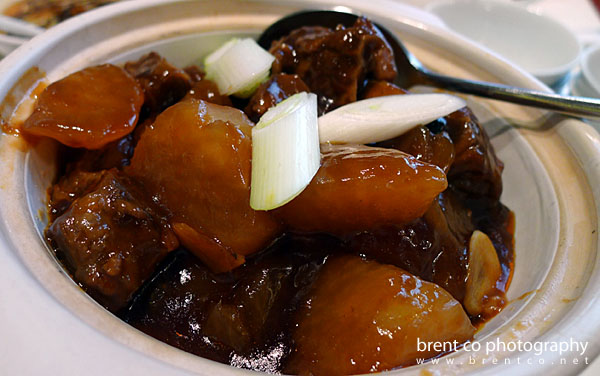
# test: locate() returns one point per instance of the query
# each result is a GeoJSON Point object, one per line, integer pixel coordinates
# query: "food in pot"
{"type": "Point", "coordinates": [388, 244]}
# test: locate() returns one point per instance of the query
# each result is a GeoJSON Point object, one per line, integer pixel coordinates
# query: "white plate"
{"type": "Point", "coordinates": [49, 326]}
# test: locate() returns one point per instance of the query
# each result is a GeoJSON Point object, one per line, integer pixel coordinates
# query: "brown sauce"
{"type": "Point", "coordinates": [248, 315]}
{"type": "Point", "coordinates": [18, 102]}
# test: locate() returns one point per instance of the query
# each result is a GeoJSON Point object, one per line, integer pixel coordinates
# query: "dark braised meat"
{"type": "Point", "coordinates": [114, 155]}
{"type": "Point", "coordinates": [434, 247]}
{"type": "Point", "coordinates": [111, 240]}
{"type": "Point", "coordinates": [376, 88]}
{"type": "Point", "coordinates": [243, 317]}
{"type": "Point", "coordinates": [207, 90]}
{"type": "Point", "coordinates": [70, 187]}
{"type": "Point", "coordinates": [163, 84]}
{"type": "Point", "coordinates": [335, 63]}
{"type": "Point", "coordinates": [426, 146]}
{"type": "Point", "coordinates": [195, 73]}
{"type": "Point", "coordinates": [276, 89]}
{"type": "Point", "coordinates": [84, 168]}
{"type": "Point", "coordinates": [204, 89]}
{"type": "Point", "coordinates": [476, 171]}
{"type": "Point", "coordinates": [288, 290]}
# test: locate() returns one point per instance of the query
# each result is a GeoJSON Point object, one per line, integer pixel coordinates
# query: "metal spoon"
{"type": "Point", "coordinates": [412, 72]}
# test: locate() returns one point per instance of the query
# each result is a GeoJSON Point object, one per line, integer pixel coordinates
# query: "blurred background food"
{"type": "Point", "coordinates": [46, 13]}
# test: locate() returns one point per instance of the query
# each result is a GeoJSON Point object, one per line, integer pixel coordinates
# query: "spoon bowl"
{"type": "Point", "coordinates": [412, 72]}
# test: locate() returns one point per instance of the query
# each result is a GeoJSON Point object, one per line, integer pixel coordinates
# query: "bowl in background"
{"type": "Point", "coordinates": [587, 81]}
{"type": "Point", "coordinates": [590, 70]}
{"type": "Point", "coordinates": [551, 181]}
{"type": "Point", "coordinates": [538, 44]}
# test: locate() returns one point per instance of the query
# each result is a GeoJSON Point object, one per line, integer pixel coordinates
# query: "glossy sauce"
{"type": "Point", "coordinates": [335, 63]}
{"type": "Point", "coordinates": [255, 289]}
{"type": "Point", "coordinates": [20, 99]}
{"type": "Point", "coordinates": [84, 110]}
{"type": "Point", "coordinates": [211, 209]}
{"type": "Point", "coordinates": [367, 317]}
{"type": "Point", "coordinates": [359, 188]}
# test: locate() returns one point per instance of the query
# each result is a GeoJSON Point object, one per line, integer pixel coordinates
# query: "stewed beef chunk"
{"type": "Point", "coordinates": [111, 240]}
{"type": "Point", "coordinates": [163, 84]}
{"type": "Point", "coordinates": [207, 90]}
{"type": "Point", "coordinates": [374, 88]}
{"type": "Point", "coordinates": [195, 73]}
{"type": "Point", "coordinates": [433, 247]}
{"type": "Point", "coordinates": [70, 187]}
{"type": "Point", "coordinates": [242, 317]}
{"type": "Point", "coordinates": [276, 89]}
{"type": "Point", "coordinates": [426, 146]}
{"type": "Point", "coordinates": [114, 155]}
{"type": "Point", "coordinates": [476, 170]}
{"type": "Point", "coordinates": [203, 88]}
{"type": "Point", "coordinates": [335, 63]}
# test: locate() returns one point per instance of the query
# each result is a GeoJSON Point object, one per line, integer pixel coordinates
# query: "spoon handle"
{"type": "Point", "coordinates": [578, 106]}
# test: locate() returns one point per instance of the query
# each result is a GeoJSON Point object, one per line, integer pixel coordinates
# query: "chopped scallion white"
{"type": "Point", "coordinates": [285, 152]}
{"type": "Point", "coordinates": [382, 118]}
{"type": "Point", "coordinates": [238, 67]}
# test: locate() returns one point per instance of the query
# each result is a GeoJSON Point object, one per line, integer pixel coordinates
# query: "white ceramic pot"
{"type": "Point", "coordinates": [552, 179]}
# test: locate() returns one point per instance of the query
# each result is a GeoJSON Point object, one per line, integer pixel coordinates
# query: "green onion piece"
{"type": "Point", "coordinates": [382, 118]}
{"type": "Point", "coordinates": [285, 152]}
{"type": "Point", "coordinates": [238, 67]}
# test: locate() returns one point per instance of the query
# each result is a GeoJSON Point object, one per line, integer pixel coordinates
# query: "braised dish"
{"type": "Point", "coordinates": [391, 243]}
{"type": "Point", "coordinates": [47, 13]}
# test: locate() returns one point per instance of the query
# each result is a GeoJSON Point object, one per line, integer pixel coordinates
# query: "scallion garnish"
{"type": "Point", "coordinates": [285, 151]}
{"type": "Point", "coordinates": [238, 67]}
{"type": "Point", "coordinates": [382, 118]}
